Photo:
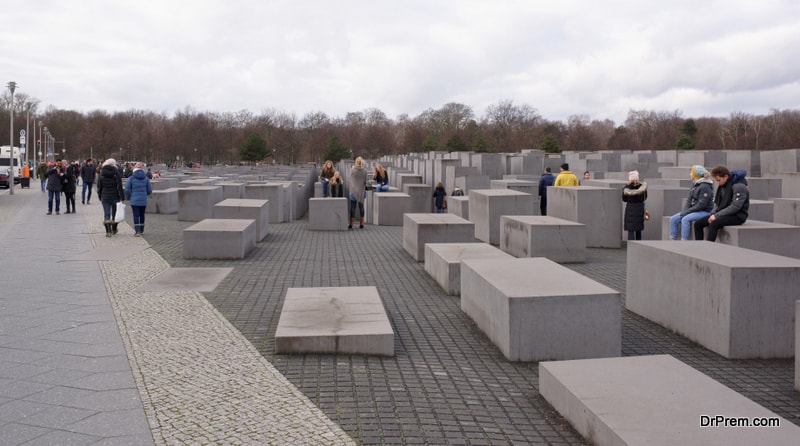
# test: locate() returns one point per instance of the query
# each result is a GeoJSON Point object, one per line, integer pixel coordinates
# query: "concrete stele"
{"type": "Point", "coordinates": [419, 229]}
{"type": "Point", "coordinates": [655, 401]}
{"type": "Point", "coordinates": [348, 320]}
{"type": "Point", "coordinates": [443, 261]}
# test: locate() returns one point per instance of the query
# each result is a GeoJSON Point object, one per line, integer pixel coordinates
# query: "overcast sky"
{"type": "Point", "coordinates": [561, 57]}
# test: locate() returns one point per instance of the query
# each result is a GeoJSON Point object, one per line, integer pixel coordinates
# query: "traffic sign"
{"type": "Point", "coordinates": [22, 133]}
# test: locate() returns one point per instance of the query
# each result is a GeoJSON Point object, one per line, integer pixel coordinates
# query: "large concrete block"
{"type": "Point", "coordinates": [786, 211]}
{"type": "Point", "coordinates": [661, 201]}
{"type": "Point", "coordinates": [734, 301]}
{"type": "Point", "coordinates": [389, 207]}
{"type": "Point", "coordinates": [534, 309]}
{"type": "Point", "coordinates": [419, 229]}
{"type": "Point", "coordinates": [231, 189]}
{"type": "Point", "coordinates": [654, 400]}
{"type": "Point", "coordinates": [797, 345]}
{"type": "Point", "coordinates": [487, 205]}
{"type": "Point", "coordinates": [458, 206]}
{"type": "Point", "coordinates": [561, 241]}
{"type": "Point", "coordinates": [600, 209]}
{"type": "Point", "coordinates": [472, 182]}
{"type": "Point", "coordinates": [163, 201]}
{"type": "Point", "coordinates": [421, 197]}
{"type": "Point", "coordinates": [197, 203]}
{"type": "Point", "coordinates": [404, 179]}
{"type": "Point", "coordinates": [328, 214]}
{"type": "Point", "coordinates": [164, 183]}
{"type": "Point", "coordinates": [219, 239]}
{"type": "Point", "coordinates": [443, 261]}
{"type": "Point", "coordinates": [346, 320]}
{"type": "Point", "coordinates": [764, 236]}
{"type": "Point", "coordinates": [764, 188]}
{"type": "Point", "coordinates": [761, 210]}
{"type": "Point", "coordinates": [244, 209]}
{"type": "Point", "coordinates": [489, 164]}
{"type": "Point", "coordinates": [272, 192]}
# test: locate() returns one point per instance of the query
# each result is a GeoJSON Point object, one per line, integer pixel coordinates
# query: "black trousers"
{"type": "Point", "coordinates": [543, 205]}
{"type": "Point", "coordinates": [713, 227]}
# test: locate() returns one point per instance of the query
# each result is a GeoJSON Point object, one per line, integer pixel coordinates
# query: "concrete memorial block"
{"type": "Point", "coordinates": [661, 201]}
{"type": "Point", "coordinates": [600, 209]}
{"type": "Point", "coordinates": [318, 190]}
{"type": "Point", "coordinates": [607, 183]}
{"type": "Point", "coordinates": [561, 241]}
{"type": "Point", "coordinates": [421, 197]}
{"type": "Point", "coordinates": [797, 345]}
{"type": "Point", "coordinates": [665, 229]}
{"type": "Point", "coordinates": [343, 320]}
{"type": "Point", "coordinates": [487, 205]}
{"type": "Point", "coordinates": [198, 182]}
{"type": "Point", "coordinates": [764, 236]}
{"type": "Point", "coordinates": [419, 229]}
{"type": "Point", "coordinates": [388, 208]}
{"type": "Point", "coordinates": [443, 261]}
{"type": "Point", "coordinates": [764, 188]}
{"type": "Point", "coordinates": [534, 309]}
{"type": "Point", "coordinates": [786, 211]}
{"type": "Point", "coordinates": [197, 203]}
{"type": "Point", "coordinates": [790, 184]}
{"type": "Point", "coordinates": [680, 172]}
{"type": "Point", "coordinates": [231, 189]}
{"type": "Point", "coordinates": [779, 161]}
{"type": "Point", "coordinates": [734, 301]}
{"type": "Point", "coordinates": [164, 183]}
{"type": "Point", "coordinates": [407, 178]}
{"type": "Point", "coordinates": [761, 210]}
{"type": "Point", "coordinates": [489, 164]}
{"type": "Point", "coordinates": [272, 192]}
{"type": "Point", "coordinates": [458, 206]}
{"type": "Point", "coordinates": [654, 400]}
{"type": "Point", "coordinates": [246, 209]}
{"type": "Point", "coordinates": [163, 202]}
{"type": "Point", "coordinates": [472, 182]}
{"type": "Point", "coordinates": [219, 239]}
{"type": "Point", "coordinates": [328, 214]}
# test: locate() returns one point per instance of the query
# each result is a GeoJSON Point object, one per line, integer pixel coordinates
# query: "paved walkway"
{"type": "Point", "coordinates": [200, 381]}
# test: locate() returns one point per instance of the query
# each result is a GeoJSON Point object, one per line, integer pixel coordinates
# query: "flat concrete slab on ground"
{"type": "Point", "coordinates": [108, 253]}
{"type": "Point", "coordinates": [186, 279]}
{"type": "Point", "coordinates": [350, 320]}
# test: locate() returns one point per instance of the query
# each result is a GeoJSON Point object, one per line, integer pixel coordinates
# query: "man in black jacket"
{"type": "Point", "coordinates": [88, 174]}
{"type": "Point", "coordinates": [731, 203]}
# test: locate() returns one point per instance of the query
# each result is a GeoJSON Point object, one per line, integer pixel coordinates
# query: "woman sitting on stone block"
{"type": "Point", "coordinates": [697, 206]}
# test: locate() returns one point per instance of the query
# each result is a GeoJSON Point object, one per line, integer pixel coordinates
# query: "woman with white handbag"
{"type": "Point", "coordinates": [110, 190]}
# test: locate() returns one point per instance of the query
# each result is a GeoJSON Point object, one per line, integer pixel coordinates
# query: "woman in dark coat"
{"type": "Point", "coordinates": [69, 187]}
{"type": "Point", "coordinates": [439, 195]}
{"type": "Point", "coordinates": [110, 191]}
{"type": "Point", "coordinates": [634, 194]}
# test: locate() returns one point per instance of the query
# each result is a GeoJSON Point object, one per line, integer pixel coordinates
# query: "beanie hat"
{"type": "Point", "coordinates": [110, 162]}
{"type": "Point", "coordinates": [633, 175]}
{"type": "Point", "coordinates": [699, 171]}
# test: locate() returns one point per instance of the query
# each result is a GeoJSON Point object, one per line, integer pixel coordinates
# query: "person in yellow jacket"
{"type": "Point", "coordinates": [565, 177]}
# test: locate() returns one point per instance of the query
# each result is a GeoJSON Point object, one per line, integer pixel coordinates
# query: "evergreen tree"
{"type": "Point", "coordinates": [549, 144]}
{"type": "Point", "coordinates": [429, 145]}
{"type": "Point", "coordinates": [685, 142]}
{"type": "Point", "coordinates": [456, 144]}
{"type": "Point", "coordinates": [254, 149]}
{"type": "Point", "coordinates": [481, 146]}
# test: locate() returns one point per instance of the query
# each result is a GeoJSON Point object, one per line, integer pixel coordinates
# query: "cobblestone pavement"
{"type": "Point", "coordinates": [447, 383]}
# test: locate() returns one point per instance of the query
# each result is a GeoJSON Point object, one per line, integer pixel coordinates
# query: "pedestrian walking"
{"type": "Point", "coordinates": [88, 175]}
{"type": "Point", "coordinates": [110, 191]}
{"type": "Point", "coordinates": [55, 185]}
{"type": "Point", "coordinates": [137, 189]}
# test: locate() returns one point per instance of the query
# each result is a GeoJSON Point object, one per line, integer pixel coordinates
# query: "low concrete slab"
{"type": "Point", "coordinates": [197, 203]}
{"type": "Point", "coordinates": [248, 209]}
{"type": "Point", "coordinates": [797, 345]}
{"type": "Point", "coordinates": [348, 320]}
{"type": "Point", "coordinates": [764, 236]}
{"type": "Point", "coordinates": [328, 214]}
{"type": "Point", "coordinates": [559, 240]}
{"type": "Point", "coordinates": [219, 239]}
{"type": "Point", "coordinates": [654, 400]}
{"type": "Point", "coordinates": [443, 261]}
{"type": "Point", "coordinates": [458, 206]}
{"type": "Point", "coordinates": [163, 202]}
{"type": "Point", "coordinates": [109, 253]}
{"type": "Point", "coordinates": [419, 229]}
{"type": "Point", "coordinates": [186, 279]}
{"type": "Point", "coordinates": [487, 205]}
{"type": "Point", "coordinates": [389, 207]}
{"type": "Point", "coordinates": [534, 309]}
{"type": "Point", "coordinates": [734, 301]}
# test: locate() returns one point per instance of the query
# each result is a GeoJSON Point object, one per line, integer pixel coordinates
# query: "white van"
{"type": "Point", "coordinates": [9, 157]}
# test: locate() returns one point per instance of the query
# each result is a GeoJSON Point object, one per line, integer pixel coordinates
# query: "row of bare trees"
{"type": "Point", "coordinates": [211, 137]}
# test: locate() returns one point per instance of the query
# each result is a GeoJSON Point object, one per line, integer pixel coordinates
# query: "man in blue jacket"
{"type": "Point", "coordinates": [546, 180]}
{"type": "Point", "coordinates": [731, 203]}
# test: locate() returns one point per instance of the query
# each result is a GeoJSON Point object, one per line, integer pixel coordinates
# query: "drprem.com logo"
{"type": "Point", "coordinates": [723, 421]}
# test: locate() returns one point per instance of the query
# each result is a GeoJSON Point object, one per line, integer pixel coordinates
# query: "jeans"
{"type": "Point", "coordinates": [381, 187]}
{"type": "Point", "coordinates": [84, 197]}
{"type": "Point", "coordinates": [324, 188]}
{"type": "Point", "coordinates": [138, 218]}
{"type": "Point", "coordinates": [109, 210]}
{"type": "Point", "coordinates": [353, 204]}
{"type": "Point", "coordinates": [51, 194]}
{"type": "Point", "coordinates": [685, 222]}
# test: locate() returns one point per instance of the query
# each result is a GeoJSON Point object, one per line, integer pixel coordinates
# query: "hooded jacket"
{"type": "Point", "coordinates": [566, 178]}
{"type": "Point", "coordinates": [733, 198]}
{"type": "Point", "coordinates": [138, 188]}
{"type": "Point", "coordinates": [109, 187]}
{"type": "Point", "coordinates": [700, 197]}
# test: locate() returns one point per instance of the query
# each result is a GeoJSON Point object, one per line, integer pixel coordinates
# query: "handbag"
{"type": "Point", "coordinates": [444, 204]}
{"type": "Point", "coordinates": [119, 217]}
{"type": "Point", "coordinates": [646, 215]}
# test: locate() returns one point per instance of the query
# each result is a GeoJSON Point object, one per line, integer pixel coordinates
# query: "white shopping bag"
{"type": "Point", "coordinates": [120, 216]}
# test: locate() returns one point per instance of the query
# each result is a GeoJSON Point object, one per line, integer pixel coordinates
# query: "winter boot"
{"type": "Point", "coordinates": [361, 223]}
{"type": "Point", "coordinates": [350, 226]}
{"type": "Point", "coordinates": [107, 224]}
{"type": "Point", "coordinates": [114, 227]}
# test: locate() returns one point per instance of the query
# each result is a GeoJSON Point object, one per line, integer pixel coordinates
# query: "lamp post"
{"type": "Point", "coordinates": [39, 142]}
{"type": "Point", "coordinates": [11, 87]}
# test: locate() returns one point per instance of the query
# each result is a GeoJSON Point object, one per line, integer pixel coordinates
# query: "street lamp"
{"type": "Point", "coordinates": [38, 142]}
{"type": "Point", "coordinates": [11, 87]}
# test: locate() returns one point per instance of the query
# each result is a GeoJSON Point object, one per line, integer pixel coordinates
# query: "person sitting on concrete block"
{"type": "Point", "coordinates": [697, 206]}
{"type": "Point", "coordinates": [731, 203]}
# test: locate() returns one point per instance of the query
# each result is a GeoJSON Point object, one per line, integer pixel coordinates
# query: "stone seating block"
{"type": "Point", "coordinates": [407, 178]}
{"type": "Point", "coordinates": [343, 320]}
{"type": "Point", "coordinates": [274, 193]}
{"type": "Point", "coordinates": [458, 206]}
{"type": "Point", "coordinates": [164, 183]}
{"type": "Point", "coordinates": [487, 205]}
{"type": "Point", "coordinates": [388, 208]}
{"type": "Point", "coordinates": [764, 188]}
{"type": "Point", "coordinates": [240, 208]}
{"type": "Point", "coordinates": [163, 201]}
{"type": "Point", "coordinates": [764, 236]}
{"type": "Point", "coordinates": [231, 189]}
{"type": "Point", "coordinates": [797, 345]}
{"type": "Point", "coordinates": [786, 211]}
{"type": "Point", "coordinates": [419, 229]}
{"type": "Point", "coordinates": [534, 309]}
{"type": "Point", "coordinates": [198, 182]}
{"type": "Point", "coordinates": [653, 400]}
{"type": "Point", "coordinates": [443, 261]}
{"type": "Point", "coordinates": [600, 209]}
{"type": "Point", "coordinates": [328, 214]}
{"type": "Point", "coordinates": [219, 239]}
{"type": "Point", "coordinates": [197, 203]}
{"type": "Point", "coordinates": [561, 241]}
{"type": "Point", "coordinates": [734, 301]}
{"type": "Point", "coordinates": [421, 197]}
{"type": "Point", "coordinates": [761, 210]}
{"type": "Point", "coordinates": [318, 190]}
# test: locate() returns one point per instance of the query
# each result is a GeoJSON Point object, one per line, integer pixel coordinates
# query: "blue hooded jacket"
{"type": "Point", "coordinates": [138, 188]}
